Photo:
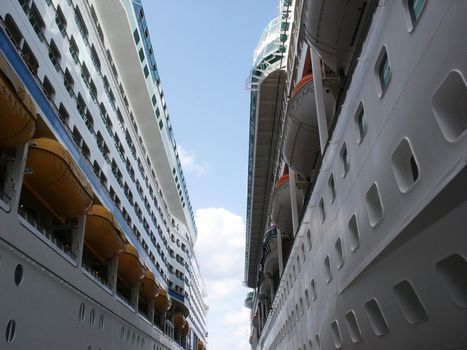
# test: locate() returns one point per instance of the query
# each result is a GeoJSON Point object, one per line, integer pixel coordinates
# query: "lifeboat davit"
{"type": "Point", "coordinates": [186, 328]}
{"type": "Point", "coordinates": [130, 268]}
{"type": "Point", "coordinates": [281, 204]}
{"type": "Point", "coordinates": [334, 28]}
{"type": "Point", "coordinates": [302, 145]}
{"type": "Point", "coordinates": [17, 114]}
{"type": "Point", "coordinates": [148, 287]}
{"type": "Point", "coordinates": [55, 179]}
{"type": "Point", "coordinates": [163, 302]}
{"type": "Point", "coordinates": [102, 235]}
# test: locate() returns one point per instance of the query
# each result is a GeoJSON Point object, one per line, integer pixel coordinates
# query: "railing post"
{"type": "Point", "coordinates": [319, 98]}
{"type": "Point", "coordinates": [293, 200]}
{"type": "Point", "coordinates": [14, 179]}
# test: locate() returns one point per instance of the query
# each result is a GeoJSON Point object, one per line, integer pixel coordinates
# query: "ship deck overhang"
{"type": "Point", "coordinates": [119, 33]}
{"type": "Point", "coordinates": [266, 111]}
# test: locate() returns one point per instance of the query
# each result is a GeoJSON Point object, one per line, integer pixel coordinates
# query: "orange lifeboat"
{"type": "Point", "coordinates": [55, 179]}
{"type": "Point", "coordinates": [17, 114]}
{"type": "Point", "coordinates": [102, 235]}
{"type": "Point", "coordinates": [200, 345]}
{"type": "Point", "coordinates": [148, 287]}
{"type": "Point", "coordinates": [281, 206]}
{"type": "Point", "coordinates": [179, 320]}
{"type": "Point", "coordinates": [334, 29]}
{"type": "Point", "coordinates": [302, 145]}
{"type": "Point", "coordinates": [163, 302]}
{"type": "Point", "coordinates": [130, 268]}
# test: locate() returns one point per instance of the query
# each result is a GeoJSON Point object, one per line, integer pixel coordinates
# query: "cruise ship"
{"type": "Point", "coordinates": [357, 203]}
{"type": "Point", "coordinates": [96, 225]}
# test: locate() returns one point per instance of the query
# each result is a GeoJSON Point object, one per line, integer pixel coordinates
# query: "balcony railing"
{"type": "Point", "coordinates": [33, 222]}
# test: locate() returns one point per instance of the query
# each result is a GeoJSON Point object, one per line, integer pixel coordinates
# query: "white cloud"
{"type": "Point", "coordinates": [190, 163]}
{"type": "Point", "coordinates": [220, 250]}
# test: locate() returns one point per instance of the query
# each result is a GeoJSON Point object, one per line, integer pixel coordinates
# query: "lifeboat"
{"type": "Point", "coordinates": [163, 302]}
{"type": "Point", "coordinates": [17, 115]}
{"type": "Point", "coordinates": [102, 235]}
{"type": "Point", "coordinates": [148, 287]}
{"type": "Point", "coordinates": [179, 320]}
{"type": "Point", "coordinates": [200, 345]}
{"type": "Point", "coordinates": [130, 268]}
{"type": "Point", "coordinates": [302, 145]}
{"type": "Point", "coordinates": [55, 179]}
{"type": "Point", "coordinates": [186, 328]}
{"type": "Point", "coordinates": [281, 206]}
{"type": "Point", "coordinates": [334, 28]}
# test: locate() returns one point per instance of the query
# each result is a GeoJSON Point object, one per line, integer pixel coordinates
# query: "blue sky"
{"type": "Point", "coordinates": [204, 54]}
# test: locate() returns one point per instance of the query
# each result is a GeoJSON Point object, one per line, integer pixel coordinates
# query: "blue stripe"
{"type": "Point", "coordinates": [176, 295]}
{"type": "Point", "coordinates": [17, 63]}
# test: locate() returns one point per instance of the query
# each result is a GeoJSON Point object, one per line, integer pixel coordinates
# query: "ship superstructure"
{"type": "Point", "coordinates": [357, 164]}
{"type": "Point", "coordinates": [97, 229]}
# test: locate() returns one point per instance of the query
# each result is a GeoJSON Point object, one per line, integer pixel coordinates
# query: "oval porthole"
{"type": "Point", "coordinates": [19, 274]}
{"type": "Point", "coordinates": [10, 331]}
{"type": "Point", "coordinates": [82, 310]}
{"type": "Point", "coordinates": [101, 322]}
{"type": "Point", "coordinates": [92, 318]}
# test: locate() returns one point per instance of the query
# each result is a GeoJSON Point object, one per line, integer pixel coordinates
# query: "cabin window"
{"type": "Point", "coordinates": [345, 160]}
{"type": "Point", "coordinates": [332, 187]}
{"type": "Point", "coordinates": [360, 119]}
{"type": "Point", "coordinates": [322, 210]}
{"type": "Point", "coordinates": [383, 69]}
{"type": "Point", "coordinates": [415, 9]}
{"type": "Point", "coordinates": [405, 166]}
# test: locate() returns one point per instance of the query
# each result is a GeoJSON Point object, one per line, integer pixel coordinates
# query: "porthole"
{"type": "Point", "coordinates": [92, 318]}
{"type": "Point", "coordinates": [344, 159]}
{"type": "Point", "coordinates": [327, 269]}
{"type": "Point", "coordinates": [339, 253]}
{"type": "Point", "coordinates": [360, 120]}
{"type": "Point", "coordinates": [10, 331]}
{"type": "Point", "coordinates": [82, 313]}
{"type": "Point", "coordinates": [19, 274]}
{"type": "Point", "coordinates": [336, 335]}
{"type": "Point", "coordinates": [383, 71]}
{"type": "Point", "coordinates": [374, 205]}
{"type": "Point", "coordinates": [405, 166]}
{"type": "Point", "coordinates": [449, 104]}
{"type": "Point", "coordinates": [101, 322]}
{"type": "Point", "coordinates": [375, 315]}
{"type": "Point", "coordinates": [353, 328]}
{"type": "Point", "coordinates": [354, 238]}
{"type": "Point", "coordinates": [122, 333]}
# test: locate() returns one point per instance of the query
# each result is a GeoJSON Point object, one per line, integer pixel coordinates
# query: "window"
{"type": "Point", "coordinates": [383, 70]}
{"type": "Point", "coordinates": [354, 238]}
{"type": "Point", "coordinates": [360, 119]}
{"type": "Point", "coordinates": [449, 104]}
{"type": "Point", "coordinates": [146, 71]}
{"type": "Point", "coordinates": [332, 187]}
{"type": "Point", "coordinates": [339, 253]}
{"type": "Point", "coordinates": [68, 81]}
{"type": "Point", "coordinates": [405, 166]}
{"type": "Point", "coordinates": [374, 205]}
{"type": "Point", "coordinates": [136, 36]}
{"type": "Point", "coordinates": [37, 22]}
{"type": "Point", "coordinates": [61, 21]}
{"type": "Point", "coordinates": [415, 9]}
{"type": "Point", "coordinates": [141, 54]}
{"type": "Point", "coordinates": [322, 210]}
{"type": "Point", "coordinates": [74, 51]}
{"type": "Point", "coordinates": [48, 88]}
{"type": "Point", "coordinates": [345, 160]}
